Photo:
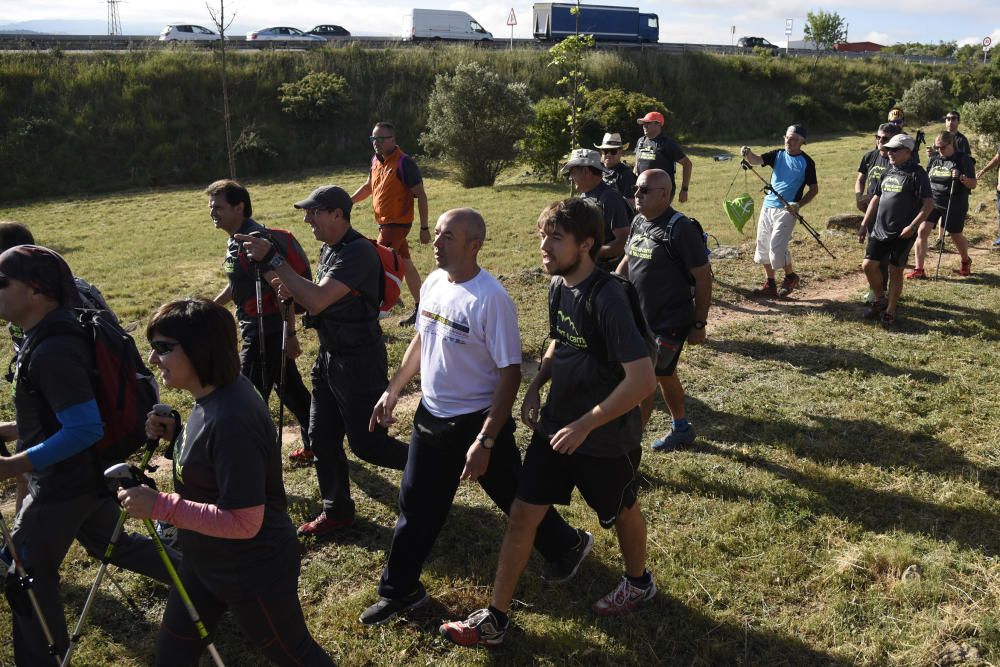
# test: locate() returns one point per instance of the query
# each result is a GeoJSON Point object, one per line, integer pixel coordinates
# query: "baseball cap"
{"type": "Point", "coordinates": [43, 270]}
{"type": "Point", "coordinates": [900, 141]}
{"type": "Point", "coordinates": [327, 197]}
{"type": "Point", "coordinates": [796, 129]}
{"type": "Point", "coordinates": [584, 157]}
{"type": "Point", "coordinates": [651, 117]}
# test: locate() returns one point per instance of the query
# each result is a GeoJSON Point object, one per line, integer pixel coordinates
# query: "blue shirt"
{"type": "Point", "coordinates": [791, 173]}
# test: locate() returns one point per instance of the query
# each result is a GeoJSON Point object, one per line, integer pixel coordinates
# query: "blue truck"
{"type": "Point", "coordinates": [555, 21]}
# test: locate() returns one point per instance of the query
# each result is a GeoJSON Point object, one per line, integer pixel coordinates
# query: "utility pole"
{"type": "Point", "coordinates": [114, 20]}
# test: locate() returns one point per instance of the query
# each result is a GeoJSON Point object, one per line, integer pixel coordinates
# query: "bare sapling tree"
{"type": "Point", "coordinates": [219, 19]}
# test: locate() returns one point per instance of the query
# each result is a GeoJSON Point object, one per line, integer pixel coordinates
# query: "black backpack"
{"type": "Point", "coordinates": [124, 388]}
{"type": "Point", "coordinates": [595, 343]}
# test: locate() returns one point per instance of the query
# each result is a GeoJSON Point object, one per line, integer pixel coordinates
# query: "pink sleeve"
{"type": "Point", "coordinates": [208, 519]}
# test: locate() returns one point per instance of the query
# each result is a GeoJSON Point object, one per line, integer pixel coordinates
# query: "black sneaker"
{"type": "Point", "coordinates": [565, 568]}
{"type": "Point", "coordinates": [386, 609]}
{"type": "Point", "coordinates": [409, 321]}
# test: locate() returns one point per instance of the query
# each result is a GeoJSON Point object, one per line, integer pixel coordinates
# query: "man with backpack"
{"type": "Point", "coordinates": [262, 332]}
{"type": "Point", "coordinates": [350, 371]}
{"type": "Point", "coordinates": [667, 261]}
{"type": "Point", "coordinates": [394, 181]}
{"type": "Point", "coordinates": [59, 425]}
{"type": "Point", "coordinates": [587, 174]}
{"type": "Point", "coordinates": [588, 434]}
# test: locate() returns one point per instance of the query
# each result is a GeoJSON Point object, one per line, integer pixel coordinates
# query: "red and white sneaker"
{"type": "Point", "coordinates": [302, 457]}
{"type": "Point", "coordinates": [624, 599]}
{"type": "Point", "coordinates": [480, 629]}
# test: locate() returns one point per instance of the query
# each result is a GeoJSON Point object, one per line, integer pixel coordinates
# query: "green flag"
{"type": "Point", "coordinates": [739, 210]}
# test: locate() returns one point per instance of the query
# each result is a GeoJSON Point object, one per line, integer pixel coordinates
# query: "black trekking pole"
{"type": "Point", "coordinates": [770, 189]}
{"type": "Point", "coordinates": [286, 311]}
{"type": "Point", "coordinates": [944, 224]}
{"type": "Point", "coordinates": [260, 327]}
{"type": "Point", "coordinates": [25, 582]}
{"type": "Point", "coordinates": [163, 411]}
{"type": "Point", "coordinates": [123, 476]}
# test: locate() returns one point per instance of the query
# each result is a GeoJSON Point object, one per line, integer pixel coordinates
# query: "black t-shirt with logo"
{"type": "Point", "coordinates": [939, 172]}
{"type": "Point", "coordinates": [659, 153]}
{"type": "Point", "coordinates": [581, 380]}
{"type": "Point", "coordinates": [616, 216]}
{"type": "Point", "coordinates": [901, 194]}
{"type": "Point", "coordinates": [621, 179]}
{"type": "Point", "coordinates": [352, 320]}
{"type": "Point", "coordinates": [873, 165]}
{"type": "Point", "coordinates": [242, 277]}
{"type": "Point", "coordinates": [228, 456]}
{"type": "Point", "coordinates": [962, 144]}
{"type": "Point", "coordinates": [660, 268]}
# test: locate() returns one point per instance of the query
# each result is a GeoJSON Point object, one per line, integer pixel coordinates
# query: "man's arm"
{"type": "Point", "coordinates": [80, 426]}
{"type": "Point", "coordinates": [532, 400]}
{"type": "Point", "coordinates": [702, 301]}
{"type": "Point", "coordinates": [421, 195]}
{"type": "Point", "coordinates": [225, 296]}
{"type": "Point", "coordinates": [868, 220]}
{"type": "Point", "coordinates": [408, 369]}
{"type": "Point", "coordinates": [859, 192]}
{"type": "Point", "coordinates": [989, 165]}
{"type": "Point", "coordinates": [811, 191]}
{"type": "Point", "coordinates": [617, 245]}
{"type": "Point", "coordinates": [686, 169]}
{"type": "Point", "coordinates": [364, 191]}
{"type": "Point", "coordinates": [477, 459]}
{"type": "Point", "coordinates": [639, 382]}
{"type": "Point", "coordinates": [750, 156]}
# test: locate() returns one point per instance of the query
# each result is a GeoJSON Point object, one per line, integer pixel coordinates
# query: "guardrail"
{"type": "Point", "coordinates": [44, 42]}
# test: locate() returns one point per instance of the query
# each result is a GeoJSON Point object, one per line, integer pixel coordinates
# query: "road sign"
{"type": "Point", "coordinates": [788, 26]}
{"type": "Point", "coordinates": [511, 20]}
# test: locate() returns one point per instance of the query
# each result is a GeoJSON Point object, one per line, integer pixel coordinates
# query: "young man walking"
{"type": "Point", "coordinates": [902, 201]}
{"type": "Point", "coordinates": [588, 433]}
{"type": "Point", "coordinates": [666, 261]}
{"type": "Point", "coordinates": [350, 371]}
{"type": "Point", "coordinates": [231, 210]}
{"type": "Point", "coordinates": [394, 182]}
{"type": "Point", "coordinates": [467, 351]}
{"type": "Point", "coordinates": [793, 176]}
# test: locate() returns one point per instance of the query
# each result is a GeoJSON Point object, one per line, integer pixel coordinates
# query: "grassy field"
{"type": "Point", "coordinates": [840, 507]}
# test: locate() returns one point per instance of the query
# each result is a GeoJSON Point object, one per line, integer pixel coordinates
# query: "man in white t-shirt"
{"type": "Point", "coordinates": [468, 352]}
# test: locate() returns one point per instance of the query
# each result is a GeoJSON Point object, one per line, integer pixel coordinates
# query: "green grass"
{"type": "Point", "coordinates": [832, 455]}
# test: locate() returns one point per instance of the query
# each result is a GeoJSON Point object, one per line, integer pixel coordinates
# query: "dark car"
{"type": "Point", "coordinates": [330, 31]}
{"type": "Point", "coordinates": [750, 43]}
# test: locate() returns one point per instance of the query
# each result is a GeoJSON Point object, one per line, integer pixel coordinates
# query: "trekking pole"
{"type": "Point", "coordinates": [25, 582]}
{"type": "Point", "coordinates": [123, 476]}
{"type": "Point", "coordinates": [163, 411]}
{"type": "Point", "coordinates": [770, 189]}
{"type": "Point", "coordinates": [260, 327]}
{"type": "Point", "coordinates": [944, 224]}
{"type": "Point", "coordinates": [284, 361]}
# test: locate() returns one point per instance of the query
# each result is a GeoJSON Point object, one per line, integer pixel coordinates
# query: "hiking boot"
{"type": "Point", "coordinates": [386, 609]}
{"type": "Point", "coordinates": [917, 274]}
{"type": "Point", "coordinates": [624, 599]}
{"type": "Point", "coordinates": [409, 321]}
{"type": "Point", "coordinates": [481, 628]}
{"type": "Point", "coordinates": [791, 282]}
{"type": "Point", "coordinates": [565, 568]}
{"type": "Point", "coordinates": [322, 526]}
{"type": "Point", "coordinates": [674, 439]}
{"type": "Point", "coordinates": [302, 457]}
{"type": "Point", "coordinates": [876, 309]}
{"type": "Point", "coordinates": [769, 288]}
{"type": "Point", "coordinates": [888, 320]}
{"type": "Point", "coordinates": [966, 269]}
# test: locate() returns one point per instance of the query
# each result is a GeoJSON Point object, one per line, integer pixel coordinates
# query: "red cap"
{"type": "Point", "coordinates": [651, 117]}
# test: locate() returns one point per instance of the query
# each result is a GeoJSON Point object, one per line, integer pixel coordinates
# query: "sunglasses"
{"type": "Point", "coordinates": [610, 151]}
{"type": "Point", "coordinates": [643, 190]}
{"type": "Point", "coordinates": [162, 347]}
{"type": "Point", "coordinates": [379, 140]}
{"type": "Point", "coordinates": [881, 137]}
{"type": "Point", "coordinates": [4, 282]}
{"type": "Point", "coordinates": [895, 149]}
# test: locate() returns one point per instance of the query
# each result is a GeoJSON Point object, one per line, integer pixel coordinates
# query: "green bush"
{"type": "Point", "coordinates": [316, 96]}
{"type": "Point", "coordinates": [924, 100]}
{"type": "Point", "coordinates": [475, 119]}
{"type": "Point", "coordinates": [983, 118]}
{"type": "Point", "coordinates": [614, 110]}
{"type": "Point", "coordinates": [547, 139]}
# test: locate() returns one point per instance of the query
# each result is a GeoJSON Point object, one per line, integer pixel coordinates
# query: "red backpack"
{"type": "Point", "coordinates": [391, 282]}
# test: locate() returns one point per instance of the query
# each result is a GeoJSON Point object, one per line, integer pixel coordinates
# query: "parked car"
{"type": "Point", "coordinates": [750, 43]}
{"type": "Point", "coordinates": [330, 31]}
{"type": "Point", "coordinates": [435, 24]}
{"type": "Point", "coordinates": [282, 34]}
{"type": "Point", "coordinates": [183, 32]}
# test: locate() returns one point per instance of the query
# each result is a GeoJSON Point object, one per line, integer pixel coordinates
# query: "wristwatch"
{"type": "Point", "coordinates": [699, 324]}
{"type": "Point", "coordinates": [486, 441]}
{"type": "Point", "coordinates": [276, 261]}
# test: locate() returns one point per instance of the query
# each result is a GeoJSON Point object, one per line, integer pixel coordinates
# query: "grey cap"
{"type": "Point", "coordinates": [900, 141]}
{"type": "Point", "coordinates": [584, 157]}
{"type": "Point", "coordinates": [327, 197]}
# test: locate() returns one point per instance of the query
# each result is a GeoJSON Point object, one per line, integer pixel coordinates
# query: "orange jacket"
{"type": "Point", "coordinates": [392, 201]}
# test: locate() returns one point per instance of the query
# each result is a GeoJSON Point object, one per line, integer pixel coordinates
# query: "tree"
{"type": "Point", "coordinates": [824, 29]}
{"type": "Point", "coordinates": [547, 140]}
{"type": "Point", "coordinates": [924, 100]}
{"type": "Point", "coordinates": [219, 19]}
{"type": "Point", "coordinates": [568, 56]}
{"type": "Point", "coordinates": [475, 120]}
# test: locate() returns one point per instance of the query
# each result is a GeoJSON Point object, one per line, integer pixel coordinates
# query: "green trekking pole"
{"type": "Point", "coordinates": [123, 476]}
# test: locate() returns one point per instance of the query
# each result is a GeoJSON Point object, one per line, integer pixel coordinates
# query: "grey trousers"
{"type": "Point", "coordinates": [43, 532]}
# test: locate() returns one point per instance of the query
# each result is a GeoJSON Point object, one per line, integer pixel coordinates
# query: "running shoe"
{"type": "Point", "coordinates": [674, 439]}
{"type": "Point", "coordinates": [624, 599]}
{"type": "Point", "coordinates": [917, 274]}
{"type": "Point", "coordinates": [323, 525]}
{"type": "Point", "coordinates": [888, 320]}
{"type": "Point", "coordinates": [565, 568]}
{"type": "Point", "coordinates": [874, 311]}
{"type": "Point", "coordinates": [767, 289]}
{"type": "Point", "coordinates": [966, 269]}
{"type": "Point", "coordinates": [409, 321]}
{"type": "Point", "coordinates": [302, 457]}
{"type": "Point", "coordinates": [481, 628]}
{"type": "Point", "coordinates": [790, 283]}
{"type": "Point", "coordinates": [387, 609]}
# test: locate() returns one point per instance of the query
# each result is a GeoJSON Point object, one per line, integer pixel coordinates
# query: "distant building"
{"type": "Point", "coordinates": [859, 47]}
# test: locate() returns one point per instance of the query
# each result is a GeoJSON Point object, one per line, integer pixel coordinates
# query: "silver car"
{"type": "Point", "coordinates": [282, 34]}
{"type": "Point", "coordinates": [185, 32]}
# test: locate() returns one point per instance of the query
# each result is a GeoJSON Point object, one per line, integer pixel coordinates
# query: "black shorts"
{"type": "Point", "coordinates": [956, 219]}
{"type": "Point", "coordinates": [668, 351]}
{"type": "Point", "coordinates": [897, 250]}
{"type": "Point", "coordinates": [607, 485]}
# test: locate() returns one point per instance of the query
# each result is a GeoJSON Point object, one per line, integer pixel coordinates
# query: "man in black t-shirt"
{"type": "Point", "coordinates": [655, 151]}
{"type": "Point", "coordinates": [231, 210]}
{"type": "Point", "coordinates": [351, 369]}
{"type": "Point", "coordinates": [873, 164]}
{"type": "Point", "coordinates": [666, 262]}
{"type": "Point", "coordinates": [586, 172]}
{"type": "Point", "coordinates": [619, 175]}
{"type": "Point", "coordinates": [953, 177]}
{"type": "Point", "coordinates": [901, 203]}
{"type": "Point", "coordinates": [951, 121]}
{"type": "Point", "coordinates": [587, 434]}
{"type": "Point", "coordinates": [58, 422]}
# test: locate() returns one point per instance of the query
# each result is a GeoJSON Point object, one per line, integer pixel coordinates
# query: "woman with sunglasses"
{"type": "Point", "coordinates": [240, 550]}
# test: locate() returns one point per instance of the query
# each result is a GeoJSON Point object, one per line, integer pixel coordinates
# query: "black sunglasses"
{"type": "Point", "coordinates": [162, 347]}
{"type": "Point", "coordinates": [895, 148]}
{"type": "Point", "coordinates": [643, 190]}
{"type": "Point", "coordinates": [4, 282]}
{"type": "Point", "coordinates": [610, 151]}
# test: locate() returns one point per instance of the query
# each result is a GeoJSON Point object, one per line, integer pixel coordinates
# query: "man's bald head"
{"type": "Point", "coordinates": [654, 192]}
{"type": "Point", "coordinates": [471, 220]}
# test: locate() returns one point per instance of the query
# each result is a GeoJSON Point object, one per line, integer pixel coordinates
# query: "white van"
{"type": "Point", "coordinates": [442, 24]}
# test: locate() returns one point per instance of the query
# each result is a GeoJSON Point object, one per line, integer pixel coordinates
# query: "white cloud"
{"type": "Point", "coordinates": [877, 37]}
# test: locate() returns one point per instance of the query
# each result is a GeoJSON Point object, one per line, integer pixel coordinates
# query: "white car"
{"type": "Point", "coordinates": [282, 34]}
{"type": "Point", "coordinates": [183, 32]}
